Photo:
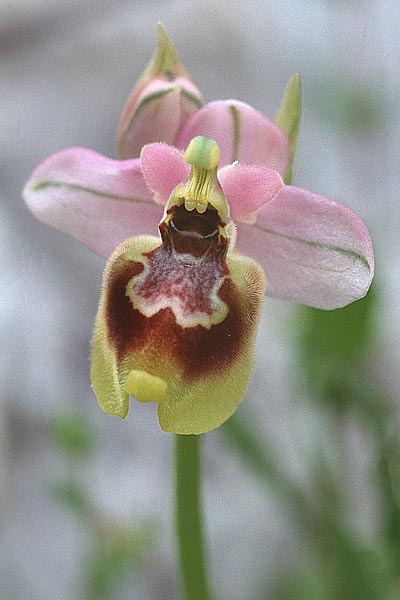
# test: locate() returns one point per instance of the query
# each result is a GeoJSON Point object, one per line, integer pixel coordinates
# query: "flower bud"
{"type": "Point", "coordinates": [161, 101]}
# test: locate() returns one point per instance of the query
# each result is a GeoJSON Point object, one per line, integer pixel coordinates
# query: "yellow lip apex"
{"type": "Point", "coordinates": [146, 387]}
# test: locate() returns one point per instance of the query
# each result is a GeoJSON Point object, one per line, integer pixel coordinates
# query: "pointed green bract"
{"type": "Point", "coordinates": [288, 118]}
{"type": "Point", "coordinates": [166, 60]}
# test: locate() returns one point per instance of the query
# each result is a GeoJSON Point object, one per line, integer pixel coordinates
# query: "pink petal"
{"type": "Point", "coordinates": [242, 133]}
{"type": "Point", "coordinates": [99, 201]}
{"type": "Point", "coordinates": [157, 114]}
{"type": "Point", "coordinates": [163, 168]}
{"type": "Point", "coordinates": [247, 188]}
{"type": "Point", "coordinates": [313, 250]}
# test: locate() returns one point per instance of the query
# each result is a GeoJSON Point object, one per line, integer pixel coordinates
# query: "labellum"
{"type": "Point", "coordinates": [178, 316]}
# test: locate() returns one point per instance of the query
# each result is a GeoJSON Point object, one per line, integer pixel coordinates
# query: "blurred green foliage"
{"type": "Point", "coordinates": [341, 335]}
{"type": "Point", "coordinates": [112, 556]}
{"type": "Point", "coordinates": [72, 496]}
{"type": "Point", "coordinates": [114, 549]}
{"type": "Point", "coordinates": [72, 434]}
{"type": "Point", "coordinates": [337, 561]}
{"type": "Point", "coordinates": [348, 106]}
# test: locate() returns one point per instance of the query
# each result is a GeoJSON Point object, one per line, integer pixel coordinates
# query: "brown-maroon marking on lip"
{"type": "Point", "coordinates": [117, 306]}
{"type": "Point", "coordinates": [192, 284]}
{"type": "Point", "coordinates": [196, 350]}
{"type": "Point", "coordinates": [192, 233]}
{"type": "Point", "coordinates": [159, 340]}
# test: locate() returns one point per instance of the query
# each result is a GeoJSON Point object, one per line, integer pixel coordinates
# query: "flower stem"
{"type": "Point", "coordinates": [189, 521]}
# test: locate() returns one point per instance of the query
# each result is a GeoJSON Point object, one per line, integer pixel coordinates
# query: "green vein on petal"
{"type": "Point", "coordinates": [235, 114]}
{"type": "Point", "coordinates": [156, 96]}
{"type": "Point", "coordinates": [344, 251]}
{"type": "Point", "coordinates": [191, 97]}
{"type": "Point", "coordinates": [79, 188]}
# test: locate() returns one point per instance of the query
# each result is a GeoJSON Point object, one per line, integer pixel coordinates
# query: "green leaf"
{"type": "Point", "coordinates": [72, 434]}
{"type": "Point", "coordinates": [113, 555]}
{"type": "Point", "coordinates": [389, 479]}
{"type": "Point", "coordinates": [331, 343]}
{"type": "Point", "coordinates": [301, 583]}
{"type": "Point", "coordinates": [288, 118]}
{"type": "Point", "coordinates": [349, 107]}
{"type": "Point", "coordinates": [71, 495]}
{"type": "Point", "coordinates": [345, 570]}
{"type": "Point", "coordinates": [355, 570]}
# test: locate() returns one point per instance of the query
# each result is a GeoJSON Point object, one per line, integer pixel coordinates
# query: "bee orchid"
{"type": "Point", "coordinates": [178, 312]}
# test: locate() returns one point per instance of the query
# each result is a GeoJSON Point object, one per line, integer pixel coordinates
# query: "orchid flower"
{"type": "Point", "coordinates": [178, 313]}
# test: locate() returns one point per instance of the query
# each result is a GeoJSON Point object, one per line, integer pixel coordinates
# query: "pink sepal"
{"type": "Point", "coordinates": [313, 250]}
{"type": "Point", "coordinates": [99, 201]}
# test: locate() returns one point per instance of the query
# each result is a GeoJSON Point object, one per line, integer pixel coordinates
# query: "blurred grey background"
{"type": "Point", "coordinates": [66, 69]}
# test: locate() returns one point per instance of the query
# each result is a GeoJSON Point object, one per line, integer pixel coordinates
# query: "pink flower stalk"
{"type": "Point", "coordinates": [177, 317]}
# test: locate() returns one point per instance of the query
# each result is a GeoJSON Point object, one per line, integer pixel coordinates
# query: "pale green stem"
{"type": "Point", "coordinates": [189, 522]}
